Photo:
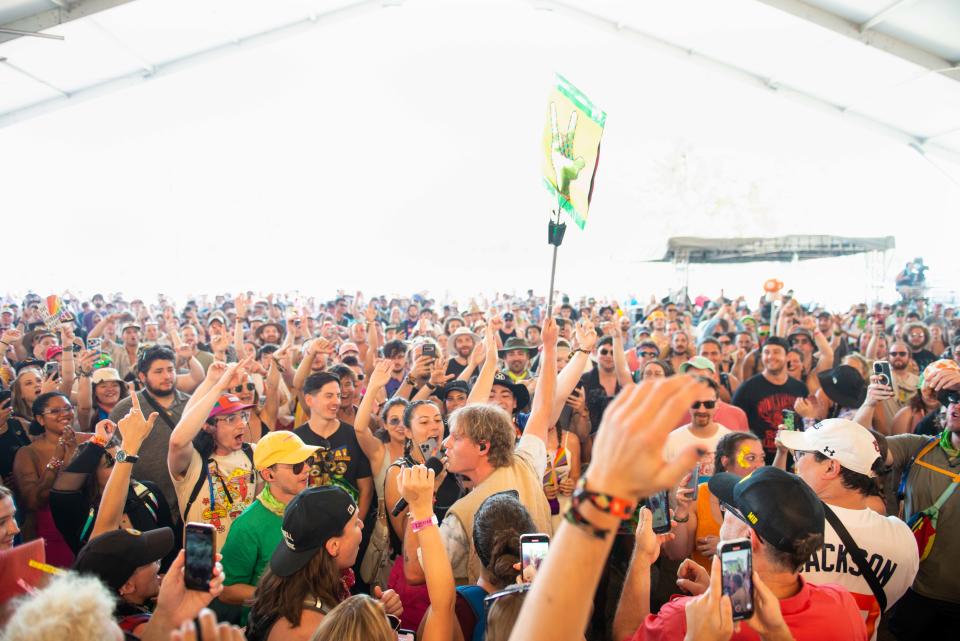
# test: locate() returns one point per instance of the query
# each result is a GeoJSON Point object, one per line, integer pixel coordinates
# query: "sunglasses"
{"type": "Point", "coordinates": [393, 421]}
{"type": "Point", "coordinates": [648, 354]}
{"type": "Point", "coordinates": [606, 352]}
{"type": "Point", "coordinates": [296, 468]}
{"type": "Point", "coordinates": [707, 404]}
{"type": "Point", "coordinates": [394, 622]}
{"type": "Point", "coordinates": [516, 588]}
{"type": "Point", "coordinates": [239, 388]}
{"type": "Point", "coordinates": [898, 353]}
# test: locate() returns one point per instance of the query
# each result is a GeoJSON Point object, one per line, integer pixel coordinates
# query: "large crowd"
{"type": "Point", "coordinates": [281, 467]}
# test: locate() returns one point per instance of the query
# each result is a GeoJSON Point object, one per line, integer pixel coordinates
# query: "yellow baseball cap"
{"type": "Point", "coordinates": [281, 447]}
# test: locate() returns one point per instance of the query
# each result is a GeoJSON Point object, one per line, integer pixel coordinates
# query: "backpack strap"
{"type": "Point", "coordinates": [859, 557]}
{"type": "Point", "coordinates": [902, 489]}
{"type": "Point", "coordinates": [474, 595]}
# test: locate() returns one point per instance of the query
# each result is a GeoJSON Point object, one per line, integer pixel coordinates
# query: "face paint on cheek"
{"type": "Point", "coordinates": [742, 457]}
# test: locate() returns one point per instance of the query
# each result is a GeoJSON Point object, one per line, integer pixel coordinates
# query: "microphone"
{"type": "Point", "coordinates": [432, 463]}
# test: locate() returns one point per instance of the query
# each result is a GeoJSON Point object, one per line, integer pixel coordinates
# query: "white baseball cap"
{"type": "Point", "coordinates": [848, 443]}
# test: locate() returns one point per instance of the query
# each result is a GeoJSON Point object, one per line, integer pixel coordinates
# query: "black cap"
{"type": "Point", "coordinates": [114, 556]}
{"type": "Point", "coordinates": [313, 517]}
{"type": "Point", "coordinates": [463, 386]}
{"type": "Point", "coordinates": [777, 340]}
{"type": "Point", "coordinates": [520, 392]}
{"type": "Point", "coordinates": [844, 385]}
{"type": "Point", "coordinates": [779, 506]}
{"type": "Point", "coordinates": [507, 316]}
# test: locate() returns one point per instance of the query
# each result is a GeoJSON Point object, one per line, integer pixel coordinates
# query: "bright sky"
{"type": "Point", "coordinates": [398, 151]}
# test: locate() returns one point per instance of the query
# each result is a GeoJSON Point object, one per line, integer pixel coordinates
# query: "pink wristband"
{"type": "Point", "coordinates": [423, 524]}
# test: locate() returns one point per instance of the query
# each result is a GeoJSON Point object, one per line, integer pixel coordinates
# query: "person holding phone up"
{"type": "Point", "coordinates": [783, 520]}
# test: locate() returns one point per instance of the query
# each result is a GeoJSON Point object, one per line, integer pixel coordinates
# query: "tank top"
{"type": "Point", "coordinates": [706, 525]}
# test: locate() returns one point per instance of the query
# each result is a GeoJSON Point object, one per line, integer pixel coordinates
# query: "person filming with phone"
{"type": "Point", "coordinates": [773, 523]}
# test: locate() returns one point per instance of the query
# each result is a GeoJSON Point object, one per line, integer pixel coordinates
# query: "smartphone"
{"type": "Point", "coordinates": [77, 348]}
{"type": "Point", "coordinates": [694, 482]}
{"type": "Point", "coordinates": [882, 369]}
{"type": "Point", "coordinates": [429, 349]}
{"type": "Point", "coordinates": [659, 505]}
{"type": "Point", "coordinates": [4, 396]}
{"type": "Point", "coordinates": [789, 420]}
{"type": "Point", "coordinates": [200, 543]}
{"type": "Point", "coordinates": [94, 344]}
{"type": "Point", "coordinates": [429, 447]}
{"type": "Point", "coordinates": [533, 550]}
{"type": "Point", "coordinates": [50, 368]}
{"type": "Point", "coordinates": [736, 563]}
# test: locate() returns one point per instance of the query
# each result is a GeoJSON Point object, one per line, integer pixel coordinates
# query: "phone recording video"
{"type": "Point", "coordinates": [429, 350]}
{"type": "Point", "coordinates": [533, 550]}
{"type": "Point", "coordinates": [883, 371]}
{"type": "Point", "coordinates": [51, 369]}
{"type": "Point", "coordinates": [736, 563]}
{"type": "Point", "coordinates": [659, 506]}
{"type": "Point", "coordinates": [200, 547]}
{"type": "Point", "coordinates": [789, 420]}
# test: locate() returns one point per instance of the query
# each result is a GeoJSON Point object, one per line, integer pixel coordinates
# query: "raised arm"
{"type": "Point", "coordinates": [628, 464]}
{"type": "Point", "coordinates": [67, 362]}
{"type": "Point", "coordinates": [134, 429]}
{"type": "Point", "coordinates": [319, 348]}
{"type": "Point", "coordinates": [180, 448]}
{"type": "Point", "coordinates": [416, 486]}
{"type": "Point", "coordinates": [481, 389]}
{"type": "Point", "coordinates": [539, 422]}
{"type": "Point", "coordinates": [102, 325]}
{"type": "Point", "coordinates": [620, 360]}
{"type": "Point", "coordinates": [567, 380]}
{"type": "Point", "coordinates": [373, 448]}
{"type": "Point", "coordinates": [373, 340]}
{"type": "Point", "coordinates": [240, 306]}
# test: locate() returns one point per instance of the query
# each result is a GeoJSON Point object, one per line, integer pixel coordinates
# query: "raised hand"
{"type": "Point", "coordinates": [240, 306]}
{"type": "Point", "coordinates": [11, 336]}
{"type": "Point", "coordinates": [648, 543]}
{"type": "Point", "coordinates": [586, 335]}
{"type": "Point", "coordinates": [550, 332]}
{"type": "Point", "coordinates": [438, 375]}
{"type": "Point", "coordinates": [134, 428]}
{"type": "Point", "coordinates": [415, 484]}
{"type": "Point", "coordinates": [632, 434]}
{"type": "Point", "coordinates": [380, 376]}
{"type": "Point", "coordinates": [370, 313]}
{"type": "Point", "coordinates": [478, 355]}
{"type": "Point", "coordinates": [421, 368]}
{"type": "Point", "coordinates": [105, 430]}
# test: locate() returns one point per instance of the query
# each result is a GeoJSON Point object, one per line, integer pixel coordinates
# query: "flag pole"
{"type": "Point", "coordinates": [555, 231]}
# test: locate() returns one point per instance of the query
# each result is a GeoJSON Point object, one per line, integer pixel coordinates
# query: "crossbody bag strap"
{"type": "Point", "coordinates": [859, 557]}
{"type": "Point", "coordinates": [902, 489]}
{"type": "Point", "coordinates": [162, 411]}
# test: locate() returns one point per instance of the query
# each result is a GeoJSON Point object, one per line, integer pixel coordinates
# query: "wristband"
{"type": "Point", "coordinates": [423, 524]}
{"type": "Point", "coordinates": [623, 509]}
{"type": "Point", "coordinates": [574, 517]}
{"type": "Point", "coordinates": [98, 440]}
{"type": "Point", "coordinates": [679, 520]}
{"type": "Point", "coordinates": [55, 464]}
{"type": "Point", "coordinates": [580, 349]}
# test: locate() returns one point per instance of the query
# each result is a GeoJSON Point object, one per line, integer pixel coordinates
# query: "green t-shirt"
{"type": "Point", "coordinates": [253, 537]}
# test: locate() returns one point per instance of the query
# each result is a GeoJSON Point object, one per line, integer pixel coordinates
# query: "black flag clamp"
{"type": "Point", "coordinates": [555, 232]}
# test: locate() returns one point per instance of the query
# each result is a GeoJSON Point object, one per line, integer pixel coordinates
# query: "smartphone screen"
{"type": "Point", "coordinates": [659, 505]}
{"type": "Point", "coordinates": [736, 562]}
{"type": "Point", "coordinates": [200, 547]}
{"type": "Point", "coordinates": [533, 550]}
{"type": "Point", "coordinates": [789, 420]}
{"type": "Point", "coordinates": [694, 482]}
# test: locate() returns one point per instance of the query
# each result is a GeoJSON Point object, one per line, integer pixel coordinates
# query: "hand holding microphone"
{"type": "Point", "coordinates": [405, 482]}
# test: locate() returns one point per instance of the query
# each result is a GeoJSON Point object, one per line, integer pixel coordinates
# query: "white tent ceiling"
{"type": "Point", "coordinates": [890, 65]}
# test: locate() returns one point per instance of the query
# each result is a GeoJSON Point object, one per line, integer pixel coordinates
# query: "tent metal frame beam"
{"type": "Point", "coordinates": [865, 34]}
{"type": "Point", "coordinates": [745, 75]}
{"type": "Point", "coordinates": [63, 11]}
{"type": "Point", "coordinates": [179, 64]}
{"type": "Point", "coordinates": [882, 16]}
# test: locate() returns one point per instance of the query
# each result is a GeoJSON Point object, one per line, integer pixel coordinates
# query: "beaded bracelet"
{"type": "Point", "coordinates": [623, 509]}
{"type": "Point", "coordinates": [55, 464]}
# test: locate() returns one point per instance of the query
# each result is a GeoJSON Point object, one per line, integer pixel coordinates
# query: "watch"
{"type": "Point", "coordinates": [123, 457]}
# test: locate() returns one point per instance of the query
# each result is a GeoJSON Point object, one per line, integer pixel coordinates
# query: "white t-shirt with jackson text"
{"type": "Point", "coordinates": [891, 551]}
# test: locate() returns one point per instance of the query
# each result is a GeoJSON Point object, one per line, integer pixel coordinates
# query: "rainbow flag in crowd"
{"type": "Point", "coordinates": [571, 148]}
{"type": "Point", "coordinates": [53, 312]}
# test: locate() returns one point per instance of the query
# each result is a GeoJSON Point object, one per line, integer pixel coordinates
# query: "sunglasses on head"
{"type": "Point", "coordinates": [707, 404]}
{"type": "Point", "coordinates": [239, 388]}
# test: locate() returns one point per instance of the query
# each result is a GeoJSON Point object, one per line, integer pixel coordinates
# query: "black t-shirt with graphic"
{"type": "Point", "coordinates": [764, 403]}
{"type": "Point", "coordinates": [339, 461]}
